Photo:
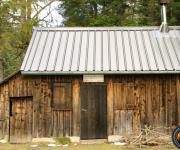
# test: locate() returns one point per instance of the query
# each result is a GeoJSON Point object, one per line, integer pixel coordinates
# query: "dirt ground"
{"type": "Point", "coordinates": [44, 146]}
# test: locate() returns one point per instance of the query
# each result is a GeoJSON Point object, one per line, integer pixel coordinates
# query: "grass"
{"type": "Point", "coordinates": [43, 146]}
{"type": "Point", "coordinates": [63, 141]}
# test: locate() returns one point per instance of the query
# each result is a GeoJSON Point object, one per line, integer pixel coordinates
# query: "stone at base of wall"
{"type": "Point", "coordinates": [114, 138]}
{"type": "Point", "coordinates": [5, 140]}
{"type": "Point", "coordinates": [74, 139]}
{"type": "Point", "coordinates": [37, 140]}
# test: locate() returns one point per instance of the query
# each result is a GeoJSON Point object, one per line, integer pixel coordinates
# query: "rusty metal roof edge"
{"type": "Point", "coordinates": [104, 28]}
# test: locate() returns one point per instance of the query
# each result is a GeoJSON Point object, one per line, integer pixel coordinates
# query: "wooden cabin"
{"type": "Point", "coordinates": [93, 83]}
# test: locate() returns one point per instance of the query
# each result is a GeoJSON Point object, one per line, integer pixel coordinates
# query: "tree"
{"type": "Point", "coordinates": [174, 13]}
{"type": "Point", "coordinates": [17, 19]}
{"type": "Point", "coordinates": [116, 12]}
{"type": "Point", "coordinates": [92, 12]}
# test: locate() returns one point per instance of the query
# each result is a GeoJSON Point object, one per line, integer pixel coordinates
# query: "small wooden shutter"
{"type": "Point", "coordinates": [123, 96]}
{"type": "Point", "coordinates": [62, 96]}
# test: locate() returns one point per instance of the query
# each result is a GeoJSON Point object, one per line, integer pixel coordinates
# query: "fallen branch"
{"type": "Point", "coordinates": [147, 137]}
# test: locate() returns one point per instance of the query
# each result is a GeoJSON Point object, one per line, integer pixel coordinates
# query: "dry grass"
{"type": "Point", "coordinates": [43, 146]}
{"type": "Point", "coordinates": [147, 139]}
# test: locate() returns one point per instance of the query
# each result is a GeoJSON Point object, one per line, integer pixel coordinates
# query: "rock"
{"type": "Point", "coordinates": [114, 138]}
{"type": "Point", "coordinates": [33, 146]}
{"type": "Point", "coordinates": [120, 143]}
{"type": "Point", "coordinates": [74, 139]}
{"type": "Point", "coordinates": [47, 140]}
{"type": "Point", "coordinates": [3, 141]}
{"type": "Point", "coordinates": [51, 145]}
{"type": "Point", "coordinates": [66, 145]}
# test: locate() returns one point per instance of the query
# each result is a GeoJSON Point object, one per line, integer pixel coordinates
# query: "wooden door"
{"type": "Point", "coordinates": [62, 110]}
{"type": "Point", "coordinates": [21, 111]}
{"type": "Point", "coordinates": [93, 112]}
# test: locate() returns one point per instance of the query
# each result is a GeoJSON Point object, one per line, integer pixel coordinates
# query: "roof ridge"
{"type": "Point", "coordinates": [105, 28]}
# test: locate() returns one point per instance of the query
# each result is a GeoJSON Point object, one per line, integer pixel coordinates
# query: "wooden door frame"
{"type": "Point", "coordinates": [95, 83]}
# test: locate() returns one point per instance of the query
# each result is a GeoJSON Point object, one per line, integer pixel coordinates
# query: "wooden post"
{"type": "Point", "coordinates": [178, 97]}
{"type": "Point", "coordinates": [36, 108]}
{"type": "Point", "coordinates": [76, 107]}
{"type": "Point", "coordinates": [110, 107]}
{"type": "Point", "coordinates": [7, 116]}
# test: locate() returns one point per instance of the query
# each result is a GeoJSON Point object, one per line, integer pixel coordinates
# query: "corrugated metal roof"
{"type": "Point", "coordinates": [102, 50]}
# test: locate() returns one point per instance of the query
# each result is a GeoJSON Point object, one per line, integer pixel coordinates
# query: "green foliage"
{"type": "Point", "coordinates": [63, 141]}
{"type": "Point", "coordinates": [117, 12]}
{"type": "Point", "coordinates": [15, 32]}
{"type": "Point", "coordinates": [174, 13]}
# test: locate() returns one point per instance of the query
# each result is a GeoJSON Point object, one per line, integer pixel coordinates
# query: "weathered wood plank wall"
{"type": "Point", "coordinates": [133, 101]}
{"type": "Point", "coordinates": [140, 101]}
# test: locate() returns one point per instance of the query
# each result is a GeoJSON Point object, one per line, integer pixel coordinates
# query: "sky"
{"type": "Point", "coordinates": [54, 18]}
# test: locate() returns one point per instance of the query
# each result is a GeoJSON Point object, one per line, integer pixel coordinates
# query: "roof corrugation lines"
{"type": "Point", "coordinates": [102, 50]}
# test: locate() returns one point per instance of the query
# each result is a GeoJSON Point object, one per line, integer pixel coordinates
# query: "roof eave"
{"type": "Point", "coordinates": [97, 72]}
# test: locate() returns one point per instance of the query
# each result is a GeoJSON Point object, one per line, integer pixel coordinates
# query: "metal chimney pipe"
{"type": "Point", "coordinates": [164, 26]}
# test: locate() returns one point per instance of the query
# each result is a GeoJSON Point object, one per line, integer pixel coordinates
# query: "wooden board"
{"type": "Point", "coordinates": [178, 99]}
{"type": "Point", "coordinates": [2, 119]}
{"type": "Point", "coordinates": [62, 97]}
{"type": "Point", "coordinates": [76, 108]}
{"type": "Point", "coordinates": [93, 112]}
{"type": "Point", "coordinates": [21, 120]}
{"type": "Point", "coordinates": [62, 123]}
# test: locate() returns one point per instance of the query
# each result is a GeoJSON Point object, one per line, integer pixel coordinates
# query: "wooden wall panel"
{"type": "Point", "coordinates": [110, 108]}
{"type": "Point", "coordinates": [123, 122]}
{"type": "Point", "coordinates": [62, 123]}
{"type": "Point", "coordinates": [76, 108]}
{"type": "Point", "coordinates": [153, 100]}
{"type": "Point", "coordinates": [178, 98]}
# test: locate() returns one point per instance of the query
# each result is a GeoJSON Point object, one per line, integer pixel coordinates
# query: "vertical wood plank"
{"type": "Point", "coordinates": [174, 104]}
{"type": "Point", "coordinates": [178, 96]}
{"type": "Point", "coordinates": [36, 108]}
{"type": "Point", "coordinates": [162, 105]}
{"type": "Point", "coordinates": [149, 102]}
{"type": "Point", "coordinates": [129, 123]}
{"type": "Point", "coordinates": [142, 108]}
{"type": "Point", "coordinates": [110, 107]}
{"type": "Point", "coordinates": [76, 107]}
{"type": "Point", "coordinates": [116, 122]}
{"type": "Point", "coordinates": [123, 121]}
{"type": "Point", "coordinates": [137, 105]}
